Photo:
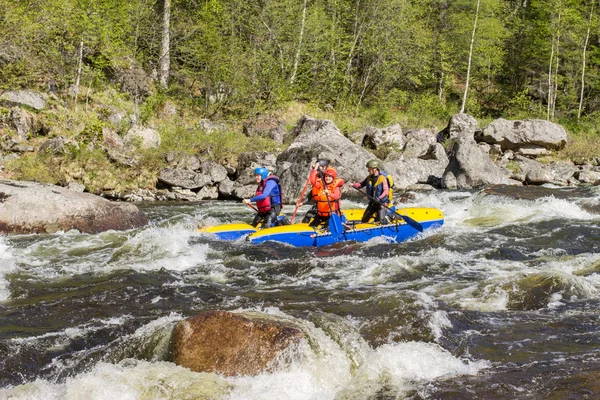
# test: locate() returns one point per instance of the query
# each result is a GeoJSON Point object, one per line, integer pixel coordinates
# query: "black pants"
{"type": "Point", "coordinates": [267, 218]}
{"type": "Point", "coordinates": [310, 214]}
{"type": "Point", "coordinates": [376, 210]}
{"type": "Point", "coordinates": [318, 220]}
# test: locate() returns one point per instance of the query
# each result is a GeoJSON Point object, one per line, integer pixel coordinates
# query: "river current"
{"type": "Point", "coordinates": [501, 302]}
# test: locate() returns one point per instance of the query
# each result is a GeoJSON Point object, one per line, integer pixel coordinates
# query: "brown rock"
{"type": "Point", "coordinates": [229, 344]}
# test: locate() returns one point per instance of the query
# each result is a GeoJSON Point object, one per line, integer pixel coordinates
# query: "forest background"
{"type": "Point", "coordinates": [357, 62]}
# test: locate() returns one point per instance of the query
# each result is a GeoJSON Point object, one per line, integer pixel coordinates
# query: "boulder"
{"type": "Point", "coordinates": [208, 193]}
{"type": "Point", "coordinates": [183, 178]}
{"type": "Point", "coordinates": [146, 138]}
{"type": "Point", "coordinates": [418, 143]}
{"type": "Point", "coordinates": [23, 98]}
{"type": "Point", "coordinates": [116, 149]}
{"type": "Point", "coordinates": [587, 176]}
{"type": "Point", "coordinates": [532, 135]}
{"type": "Point", "coordinates": [469, 165]}
{"type": "Point", "coordinates": [428, 169]}
{"type": "Point", "coordinates": [314, 140]}
{"type": "Point", "coordinates": [230, 344]}
{"type": "Point", "coordinates": [22, 121]}
{"type": "Point", "coordinates": [29, 207]}
{"type": "Point", "coordinates": [390, 136]}
{"type": "Point", "coordinates": [215, 171]}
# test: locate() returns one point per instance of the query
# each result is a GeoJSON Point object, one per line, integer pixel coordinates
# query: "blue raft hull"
{"type": "Point", "coordinates": [302, 235]}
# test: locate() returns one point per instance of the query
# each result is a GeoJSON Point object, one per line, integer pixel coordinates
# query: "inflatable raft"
{"type": "Point", "coordinates": [408, 224]}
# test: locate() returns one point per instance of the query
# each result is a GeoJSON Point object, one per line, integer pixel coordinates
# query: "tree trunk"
{"type": "Point", "coordinates": [79, 67]}
{"type": "Point", "coordinates": [164, 61]}
{"type": "Point", "coordinates": [297, 58]}
{"type": "Point", "coordinates": [550, 81]}
{"type": "Point", "coordinates": [587, 38]}
{"type": "Point", "coordinates": [462, 109]}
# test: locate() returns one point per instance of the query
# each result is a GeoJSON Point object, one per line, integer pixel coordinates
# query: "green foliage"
{"type": "Point", "coordinates": [220, 146]}
{"type": "Point", "coordinates": [42, 168]}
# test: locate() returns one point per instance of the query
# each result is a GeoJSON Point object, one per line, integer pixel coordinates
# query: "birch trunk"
{"type": "Point", "coordinates": [550, 81]}
{"type": "Point", "coordinates": [164, 61]}
{"type": "Point", "coordinates": [587, 38]}
{"type": "Point", "coordinates": [462, 109]}
{"type": "Point", "coordinates": [297, 58]}
{"type": "Point", "coordinates": [79, 68]}
{"type": "Point", "coordinates": [555, 88]}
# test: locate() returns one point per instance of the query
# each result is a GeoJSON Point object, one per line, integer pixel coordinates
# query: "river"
{"type": "Point", "coordinates": [501, 302]}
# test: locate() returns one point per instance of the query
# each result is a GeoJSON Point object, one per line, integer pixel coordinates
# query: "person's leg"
{"type": "Point", "coordinates": [316, 221]}
{"type": "Point", "coordinates": [382, 215]}
{"type": "Point", "coordinates": [310, 214]}
{"type": "Point", "coordinates": [371, 209]}
{"type": "Point", "coordinates": [270, 217]}
{"type": "Point", "coordinates": [257, 218]}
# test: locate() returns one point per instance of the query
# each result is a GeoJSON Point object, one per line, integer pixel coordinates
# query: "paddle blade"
{"type": "Point", "coordinates": [335, 224]}
{"type": "Point", "coordinates": [411, 222]}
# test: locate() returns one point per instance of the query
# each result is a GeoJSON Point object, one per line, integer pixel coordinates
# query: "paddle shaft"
{"type": "Point", "coordinates": [335, 225]}
{"type": "Point", "coordinates": [408, 220]}
{"type": "Point", "coordinates": [300, 199]}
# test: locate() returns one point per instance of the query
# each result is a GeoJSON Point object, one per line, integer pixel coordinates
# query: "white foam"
{"type": "Point", "coordinates": [7, 265]}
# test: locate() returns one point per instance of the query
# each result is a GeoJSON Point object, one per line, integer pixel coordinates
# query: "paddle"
{"type": "Point", "coordinates": [406, 219]}
{"type": "Point", "coordinates": [252, 207]}
{"type": "Point", "coordinates": [300, 199]}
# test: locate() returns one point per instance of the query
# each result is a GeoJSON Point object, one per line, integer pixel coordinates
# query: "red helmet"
{"type": "Point", "coordinates": [330, 172]}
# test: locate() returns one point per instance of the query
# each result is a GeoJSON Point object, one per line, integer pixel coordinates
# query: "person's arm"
{"type": "Point", "coordinates": [268, 188]}
{"type": "Point", "coordinates": [386, 189]}
{"type": "Point", "coordinates": [336, 194]}
{"type": "Point", "coordinates": [312, 177]}
{"type": "Point", "coordinates": [360, 185]}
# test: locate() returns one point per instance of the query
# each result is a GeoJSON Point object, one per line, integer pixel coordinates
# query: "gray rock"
{"type": "Point", "coordinates": [189, 162]}
{"type": "Point", "coordinates": [58, 208]}
{"type": "Point", "coordinates": [208, 193]}
{"type": "Point", "coordinates": [22, 121]}
{"type": "Point", "coordinates": [469, 166]}
{"type": "Point", "coordinates": [418, 143]}
{"type": "Point", "coordinates": [513, 135]}
{"type": "Point", "coordinates": [390, 136]}
{"type": "Point", "coordinates": [587, 176]}
{"type": "Point", "coordinates": [215, 171]}
{"type": "Point", "coordinates": [76, 187]}
{"type": "Point", "coordinates": [23, 98]}
{"type": "Point", "coordinates": [116, 149]}
{"type": "Point", "coordinates": [146, 138]}
{"type": "Point", "coordinates": [183, 178]}
{"type": "Point", "coordinates": [226, 188]}
{"type": "Point", "coordinates": [319, 139]}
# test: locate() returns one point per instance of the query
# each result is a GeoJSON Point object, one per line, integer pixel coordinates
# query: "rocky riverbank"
{"type": "Point", "coordinates": [463, 155]}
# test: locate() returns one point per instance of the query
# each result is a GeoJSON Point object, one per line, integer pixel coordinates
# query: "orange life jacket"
{"type": "Point", "coordinates": [328, 203]}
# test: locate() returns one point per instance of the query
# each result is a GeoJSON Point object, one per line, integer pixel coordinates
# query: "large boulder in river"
{"type": "Point", "coordinates": [319, 139]}
{"type": "Point", "coordinates": [230, 344]}
{"type": "Point", "coordinates": [29, 207]}
{"type": "Point", "coordinates": [469, 164]}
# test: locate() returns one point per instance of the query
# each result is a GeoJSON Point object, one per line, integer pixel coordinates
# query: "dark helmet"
{"type": "Point", "coordinates": [374, 164]}
{"type": "Point", "coordinates": [323, 163]}
{"type": "Point", "coordinates": [330, 172]}
{"type": "Point", "coordinates": [262, 171]}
